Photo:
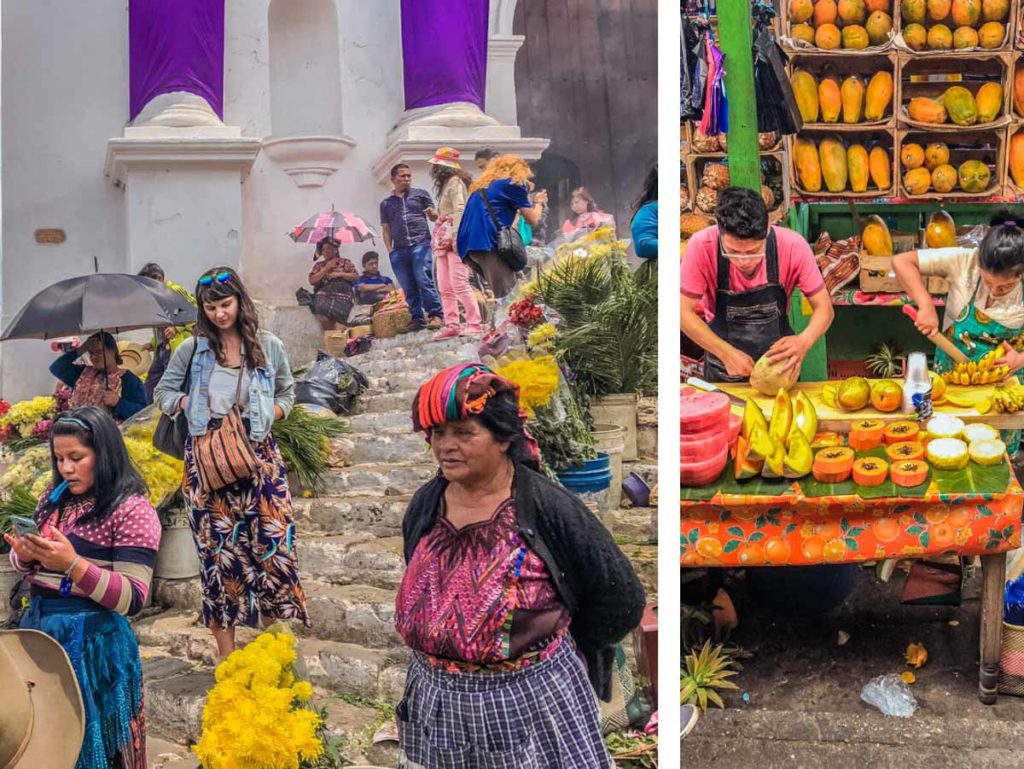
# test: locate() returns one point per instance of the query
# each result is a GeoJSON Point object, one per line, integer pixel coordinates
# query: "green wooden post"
{"type": "Point", "coordinates": [736, 40]}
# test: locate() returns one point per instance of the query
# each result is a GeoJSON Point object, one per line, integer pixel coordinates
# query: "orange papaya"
{"type": "Point", "coordinates": [830, 100]}
{"type": "Point", "coordinates": [925, 110]}
{"type": "Point", "coordinates": [878, 96]}
{"type": "Point", "coordinates": [944, 178]}
{"type": "Point", "coordinates": [940, 232]}
{"type": "Point", "coordinates": [960, 105]}
{"type": "Point", "coordinates": [1018, 91]}
{"type": "Point", "coordinates": [1017, 159]}
{"type": "Point", "coordinates": [876, 238]}
{"type": "Point", "coordinates": [974, 176]}
{"type": "Point", "coordinates": [805, 90]}
{"type": "Point", "coordinates": [936, 154]}
{"type": "Point", "coordinates": [852, 93]}
{"type": "Point", "coordinates": [880, 167]}
{"type": "Point", "coordinates": [834, 169]}
{"type": "Point", "coordinates": [807, 164]}
{"type": "Point", "coordinates": [991, 35]}
{"type": "Point", "coordinates": [857, 164]}
{"type": "Point", "coordinates": [989, 100]}
{"type": "Point", "coordinates": [917, 181]}
{"type": "Point", "coordinates": [966, 13]}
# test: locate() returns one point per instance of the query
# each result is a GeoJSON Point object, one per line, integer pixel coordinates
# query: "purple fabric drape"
{"type": "Point", "coordinates": [176, 45]}
{"type": "Point", "coordinates": [444, 51]}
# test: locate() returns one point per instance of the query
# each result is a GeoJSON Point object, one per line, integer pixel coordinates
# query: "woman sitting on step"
{"type": "Point", "coordinates": [513, 596]}
{"type": "Point", "coordinates": [239, 384]}
{"type": "Point", "coordinates": [89, 564]}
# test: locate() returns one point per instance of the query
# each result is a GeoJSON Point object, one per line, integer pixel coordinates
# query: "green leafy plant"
{"type": "Point", "coordinates": [303, 439]}
{"type": "Point", "coordinates": [562, 433]}
{"type": "Point", "coordinates": [633, 749]}
{"type": "Point", "coordinates": [704, 673]}
{"type": "Point", "coordinates": [885, 361]}
{"type": "Point", "coordinates": [19, 501]}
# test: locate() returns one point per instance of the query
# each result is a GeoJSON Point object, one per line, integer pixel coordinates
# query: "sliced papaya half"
{"type": "Point", "coordinates": [866, 434]}
{"type": "Point", "coordinates": [824, 440]}
{"type": "Point", "coordinates": [833, 465]}
{"type": "Point", "coordinates": [909, 473]}
{"type": "Point", "coordinates": [899, 432]}
{"type": "Point", "coordinates": [870, 471]}
{"type": "Point", "coordinates": [904, 451]}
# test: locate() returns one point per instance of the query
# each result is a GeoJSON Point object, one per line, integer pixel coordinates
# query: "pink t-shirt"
{"type": "Point", "coordinates": [797, 268]}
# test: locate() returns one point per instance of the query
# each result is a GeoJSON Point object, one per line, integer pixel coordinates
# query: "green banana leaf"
{"type": "Point", "coordinates": [973, 480]}
{"type": "Point", "coordinates": [727, 484]}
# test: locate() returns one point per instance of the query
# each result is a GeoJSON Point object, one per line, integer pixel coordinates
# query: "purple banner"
{"type": "Point", "coordinates": [176, 46]}
{"type": "Point", "coordinates": [444, 51]}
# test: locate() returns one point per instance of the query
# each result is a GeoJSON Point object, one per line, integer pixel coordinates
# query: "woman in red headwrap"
{"type": "Point", "coordinates": [513, 596]}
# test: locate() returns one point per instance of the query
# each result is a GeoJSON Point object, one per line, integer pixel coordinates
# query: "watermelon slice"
{"type": "Point", "coordinates": [735, 423]}
{"type": "Point", "coordinates": [697, 446]}
{"type": "Point", "coordinates": [703, 411]}
{"type": "Point", "coordinates": [704, 471]}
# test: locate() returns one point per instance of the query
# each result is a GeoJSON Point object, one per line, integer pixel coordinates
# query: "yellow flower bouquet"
{"type": "Point", "coordinates": [538, 380]}
{"type": "Point", "coordinates": [255, 716]}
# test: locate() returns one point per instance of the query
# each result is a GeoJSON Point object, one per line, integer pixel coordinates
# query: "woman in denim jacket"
{"type": "Point", "coordinates": [244, 532]}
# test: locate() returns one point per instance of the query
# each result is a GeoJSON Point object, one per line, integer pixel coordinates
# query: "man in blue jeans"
{"type": "Point", "coordinates": [403, 218]}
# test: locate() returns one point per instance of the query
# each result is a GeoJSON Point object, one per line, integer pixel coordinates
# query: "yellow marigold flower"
{"type": "Point", "coordinates": [542, 335]}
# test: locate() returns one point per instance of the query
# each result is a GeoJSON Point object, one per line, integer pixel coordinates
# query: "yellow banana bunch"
{"type": "Point", "coordinates": [1008, 400]}
{"type": "Point", "coordinates": [983, 371]}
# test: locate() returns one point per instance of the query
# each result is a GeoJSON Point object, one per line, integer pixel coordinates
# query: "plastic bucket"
{"type": "Point", "coordinates": [802, 590]}
{"type": "Point", "coordinates": [590, 481]}
{"type": "Point", "coordinates": [611, 439]}
{"type": "Point", "coordinates": [177, 557]}
{"type": "Point", "coordinates": [618, 409]}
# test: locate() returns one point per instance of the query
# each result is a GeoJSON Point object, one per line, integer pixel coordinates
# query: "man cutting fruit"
{"type": "Point", "coordinates": [744, 272]}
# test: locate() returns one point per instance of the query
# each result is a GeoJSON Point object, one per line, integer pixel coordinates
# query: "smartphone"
{"type": "Point", "coordinates": [25, 526]}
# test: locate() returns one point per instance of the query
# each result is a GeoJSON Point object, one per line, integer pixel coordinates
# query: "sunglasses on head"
{"type": "Point", "coordinates": [220, 277]}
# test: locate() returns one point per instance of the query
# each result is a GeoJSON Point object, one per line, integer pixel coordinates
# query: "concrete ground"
{"type": "Point", "coordinates": [803, 708]}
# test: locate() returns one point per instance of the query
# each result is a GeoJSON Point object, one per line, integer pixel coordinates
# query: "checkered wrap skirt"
{"type": "Point", "coordinates": [540, 717]}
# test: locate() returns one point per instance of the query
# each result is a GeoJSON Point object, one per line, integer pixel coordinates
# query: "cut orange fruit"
{"type": "Point", "coordinates": [870, 471]}
{"type": "Point", "coordinates": [899, 432]}
{"type": "Point", "coordinates": [908, 474]}
{"type": "Point", "coordinates": [866, 434]}
{"type": "Point", "coordinates": [905, 451]}
{"type": "Point", "coordinates": [824, 440]}
{"type": "Point", "coordinates": [833, 465]}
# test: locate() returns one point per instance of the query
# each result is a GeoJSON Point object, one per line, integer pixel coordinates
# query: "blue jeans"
{"type": "Point", "coordinates": [413, 266]}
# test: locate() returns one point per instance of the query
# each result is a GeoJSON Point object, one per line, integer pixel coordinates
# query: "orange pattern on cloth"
{"type": "Point", "coordinates": [794, 530]}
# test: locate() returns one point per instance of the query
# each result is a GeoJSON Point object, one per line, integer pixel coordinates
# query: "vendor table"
{"type": "Point", "coordinates": [787, 527]}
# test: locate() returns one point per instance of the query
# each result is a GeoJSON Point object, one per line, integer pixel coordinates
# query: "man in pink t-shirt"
{"type": "Point", "coordinates": [743, 273]}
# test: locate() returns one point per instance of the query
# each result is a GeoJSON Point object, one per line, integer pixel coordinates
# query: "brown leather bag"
{"type": "Point", "coordinates": [224, 455]}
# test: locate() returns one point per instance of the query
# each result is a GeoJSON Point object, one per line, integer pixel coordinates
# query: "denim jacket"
{"type": "Point", "coordinates": [271, 386]}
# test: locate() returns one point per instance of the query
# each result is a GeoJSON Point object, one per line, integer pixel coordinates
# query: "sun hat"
{"type": "Point", "coordinates": [42, 721]}
{"type": "Point", "coordinates": [134, 358]}
{"type": "Point", "coordinates": [446, 156]}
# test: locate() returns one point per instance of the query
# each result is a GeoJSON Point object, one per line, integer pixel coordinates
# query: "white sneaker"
{"type": "Point", "coordinates": [688, 716]}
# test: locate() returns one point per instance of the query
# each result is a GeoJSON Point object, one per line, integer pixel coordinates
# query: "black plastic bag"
{"type": "Point", "coordinates": [776, 104]}
{"type": "Point", "coordinates": [694, 68]}
{"type": "Point", "coordinates": [331, 383]}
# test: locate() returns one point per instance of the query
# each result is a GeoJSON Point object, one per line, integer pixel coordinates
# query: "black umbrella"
{"type": "Point", "coordinates": [112, 302]}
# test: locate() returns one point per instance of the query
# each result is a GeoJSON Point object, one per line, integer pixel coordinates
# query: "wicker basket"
{"type": "Point", "coordinates": [334, 343]}
{"type": "Point", "coordinates": [1011, 660]}
{"type": "Point", "coordinates": [388, 324]}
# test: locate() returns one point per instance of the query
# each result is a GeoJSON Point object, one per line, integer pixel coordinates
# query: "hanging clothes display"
{"type": "Point", "coordinates": [776, 104]}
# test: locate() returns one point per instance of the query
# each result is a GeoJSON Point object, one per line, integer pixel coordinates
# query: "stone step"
{"type": "Point", "coordinates": [347, 559]}
{"type": "Point", "coordinates": [427, 358]}
{"type": "Point", "coordinates": [410, 345]}
{"type": "Point", "coordinates": [375, 401]}
{"type": "Point", "coordinates": [634, 526]}
{"type": "Point", "coordinates": [377, 515]}
{"type": "Point", "coordinates": [388, 446]}
{"type": "Point", "coordinates": [367, 422]}
{"type": "Point", "coordinates": [392, 480]}
{"type": "Point", "coordinates": [175, 694]}
{"type": "Point", "coordinates": [410, 377]}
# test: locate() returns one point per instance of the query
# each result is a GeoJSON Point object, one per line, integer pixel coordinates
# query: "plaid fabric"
{"type": "Point", "coordinates": [542, 717]}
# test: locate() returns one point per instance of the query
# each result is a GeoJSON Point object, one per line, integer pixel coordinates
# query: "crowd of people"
{"type": "Point", "coordinates": [88, 552]}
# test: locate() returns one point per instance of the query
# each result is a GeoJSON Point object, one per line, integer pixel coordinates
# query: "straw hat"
{"type": "Point", "coordinates": [42, 721]}
{"type": "Point", "coordinates": [446, 156]}
{"type": "Point", "coordinates": [135, 358]}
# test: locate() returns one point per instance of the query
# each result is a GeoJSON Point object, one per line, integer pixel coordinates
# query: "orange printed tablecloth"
{"type": "Point", "coordinates": [792, 529]}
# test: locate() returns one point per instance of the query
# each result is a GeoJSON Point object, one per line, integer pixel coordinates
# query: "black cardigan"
{"type": "Point", "coordinates": [595, 581]}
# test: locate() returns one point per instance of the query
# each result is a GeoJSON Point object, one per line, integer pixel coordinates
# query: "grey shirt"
{"type": "Point", "coordinates": [222, 389]}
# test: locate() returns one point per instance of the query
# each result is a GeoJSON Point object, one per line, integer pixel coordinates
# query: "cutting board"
{"type": "Point", "coordinates": [833, 419]}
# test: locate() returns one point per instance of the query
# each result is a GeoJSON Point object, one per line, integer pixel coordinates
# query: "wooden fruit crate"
{"type": "Point", "coordinates": [884, 137]}
{"type": "Point", "coordinates": [1011, 24]}
{"type": "Point", "coordinates": [841, 67]}
{"type": "Point", "coordinates": [877, 277]}
{"type": "Point", "coordinates": [692, 130]}
{"type": "Point", "coordinates": [987, 146]}
{"type": "Point", "coordinates": [973, 71]}
{"type": "Point", "coordinates": [798, 46]}
{"type": "Point", "coordinates": [695, 165]}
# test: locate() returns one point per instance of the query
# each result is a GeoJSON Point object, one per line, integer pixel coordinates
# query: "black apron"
{"type": "Point", "coordinates": [751, 320]}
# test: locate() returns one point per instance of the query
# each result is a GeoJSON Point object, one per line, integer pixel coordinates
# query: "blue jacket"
{"type": "Point", "coordinates": [645, 231]}
{"type": "Point", "coordinates": [133, 394]}
{"type": "Point", "coordinates": [272, 386]}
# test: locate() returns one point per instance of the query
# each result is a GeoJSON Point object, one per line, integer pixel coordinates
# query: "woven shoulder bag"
{"type": "Point", "coordinates": [224, 455]}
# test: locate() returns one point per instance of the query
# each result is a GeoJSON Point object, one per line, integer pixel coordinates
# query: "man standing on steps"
{"type": "Point", "coordinates": [403, 218]}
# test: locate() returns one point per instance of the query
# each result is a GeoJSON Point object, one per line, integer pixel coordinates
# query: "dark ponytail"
{"type": "Point", "coordinates": [1002, 250]}
{"type": "Point", "coordinates": [502, 419]}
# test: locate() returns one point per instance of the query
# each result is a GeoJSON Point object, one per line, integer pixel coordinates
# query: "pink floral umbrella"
{"type": "Point", "coordinates": [343, 226]}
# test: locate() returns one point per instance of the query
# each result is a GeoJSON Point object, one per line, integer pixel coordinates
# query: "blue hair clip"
{"type": "Point", "coordinates": [55, 495]}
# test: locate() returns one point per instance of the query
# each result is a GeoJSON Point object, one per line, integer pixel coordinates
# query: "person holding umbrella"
{"type": "Point", "coordinates": [100, 383]}
{"type": "Point", "coordinates": [333, 279]}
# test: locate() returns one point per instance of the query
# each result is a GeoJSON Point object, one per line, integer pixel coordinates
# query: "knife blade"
{"type": "Point", "coordinates": [700, 384]}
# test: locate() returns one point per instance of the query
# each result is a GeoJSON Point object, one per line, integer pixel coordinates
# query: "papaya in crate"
{"type": "Point", "coordinates": [876, 238]}
{"type": "Point", "coordinates": [940, 38]}
{"type": "Point", "coordinates": [878, 26]}
{"type": "Point", "coordinates": [830, 100]}
{"type": "Point", "coordinates": [965, 37]}
{"type": "Point", "coordinates": [834, 170]}
{"type": "Point", "coordinates": [825, 12]}
{"type": "Point", "coordinates": [960, 105]}
{"type": "Point", "coordinates": [1018, 91]}
{"type": "Point", "coordinates": [974, 176]}
{"type": "Point", "coordinates": [805, 91]}
{"type": "Point", "coordinates": [852, 93]}
{"type": "Point", "coordinates": [808, 164]}
{"type": "Point", "coordinates": [827, 37]}
{"type": "Point", "coordinates": [915, 36]}
{"type": "Point", "coordinates": [966, 13]}
{"type": "Point", "coordinates": [936, 154]}
{"type": "Point", "coordinates": [991, 34]}
{"type": "Point", "coordinates": [880, 166]}
{"type": "Point", "coordinates": [989, 100]}
{"type": "Point", "coordinates": [917, 181]}
{"type": "Point", "coordinates": [912, 156]}
{"type": "Point", "coordinates": [857, 163]}
{"type": "Point", "coordinates": [940, 232]}
{"type": "Point", "coordinates": [878, 96]}
{"type": "Point", "coordinates": [800, 10]}
{"type": "Point", "coordinates": [855, 37]}
{"type": "Point", "coordinates": [925, 110]}
{"type": "Point", "coordinates": [938, 10]}
{"type": "Point", "coordinates": [944, 178]}
{"type": "Point", "coordinates": [803, 32]}
{"type": "Point", "coordinates": [995, 10]}
{"type": "Point", "coordinates": [1017, 159]}
{"type": "Point", "coordinates": [913, 11]}
{"type": "Point", "coordinates": [870, 471]}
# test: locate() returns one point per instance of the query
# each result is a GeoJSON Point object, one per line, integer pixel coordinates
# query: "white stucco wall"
{"type": "Point", "coordinates": [65, 92]}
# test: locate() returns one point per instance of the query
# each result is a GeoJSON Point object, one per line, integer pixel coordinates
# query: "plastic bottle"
{"type": "Point", "coordinates": [917, 387]}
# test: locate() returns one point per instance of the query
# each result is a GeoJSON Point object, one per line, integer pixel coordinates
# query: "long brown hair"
{"type": "Point", "coordinates": [441, 175]}
{"type": "Point", "coordinates": [584, 194]}
{"type": "Point", "coordinates": [247, 321]}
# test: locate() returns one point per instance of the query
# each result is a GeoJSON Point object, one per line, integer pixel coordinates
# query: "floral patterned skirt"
{"type": "Point", "coordinates": [245, 537]}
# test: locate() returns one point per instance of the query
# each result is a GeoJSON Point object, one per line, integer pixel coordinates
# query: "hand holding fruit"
{"type": "Point", "coordinates": [737, 362]}
{"type": "Point", "coordinates": [790, 349]}
{"type": "Point", "coordinates": [1011, 358]}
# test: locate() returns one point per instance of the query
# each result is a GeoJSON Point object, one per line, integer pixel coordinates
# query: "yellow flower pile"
{"type": "Point", "coordinates": [31, 470]}
{"type": "Point", "coordinates": [254, 717]}
{"type": "Point", "coordinates": [24, 415]}
{"type": "Point", "coordinates": [542, 336]}
{"type": "Point", "coordinates": [537, 379]}
{"type": "Point", "coordinates": [163, 473]}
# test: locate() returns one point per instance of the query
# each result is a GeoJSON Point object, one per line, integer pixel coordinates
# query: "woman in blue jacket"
{"type": "Point", "coordinates": [645, 221]}
{"type": "Point", "coordinates": [102, 383]}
